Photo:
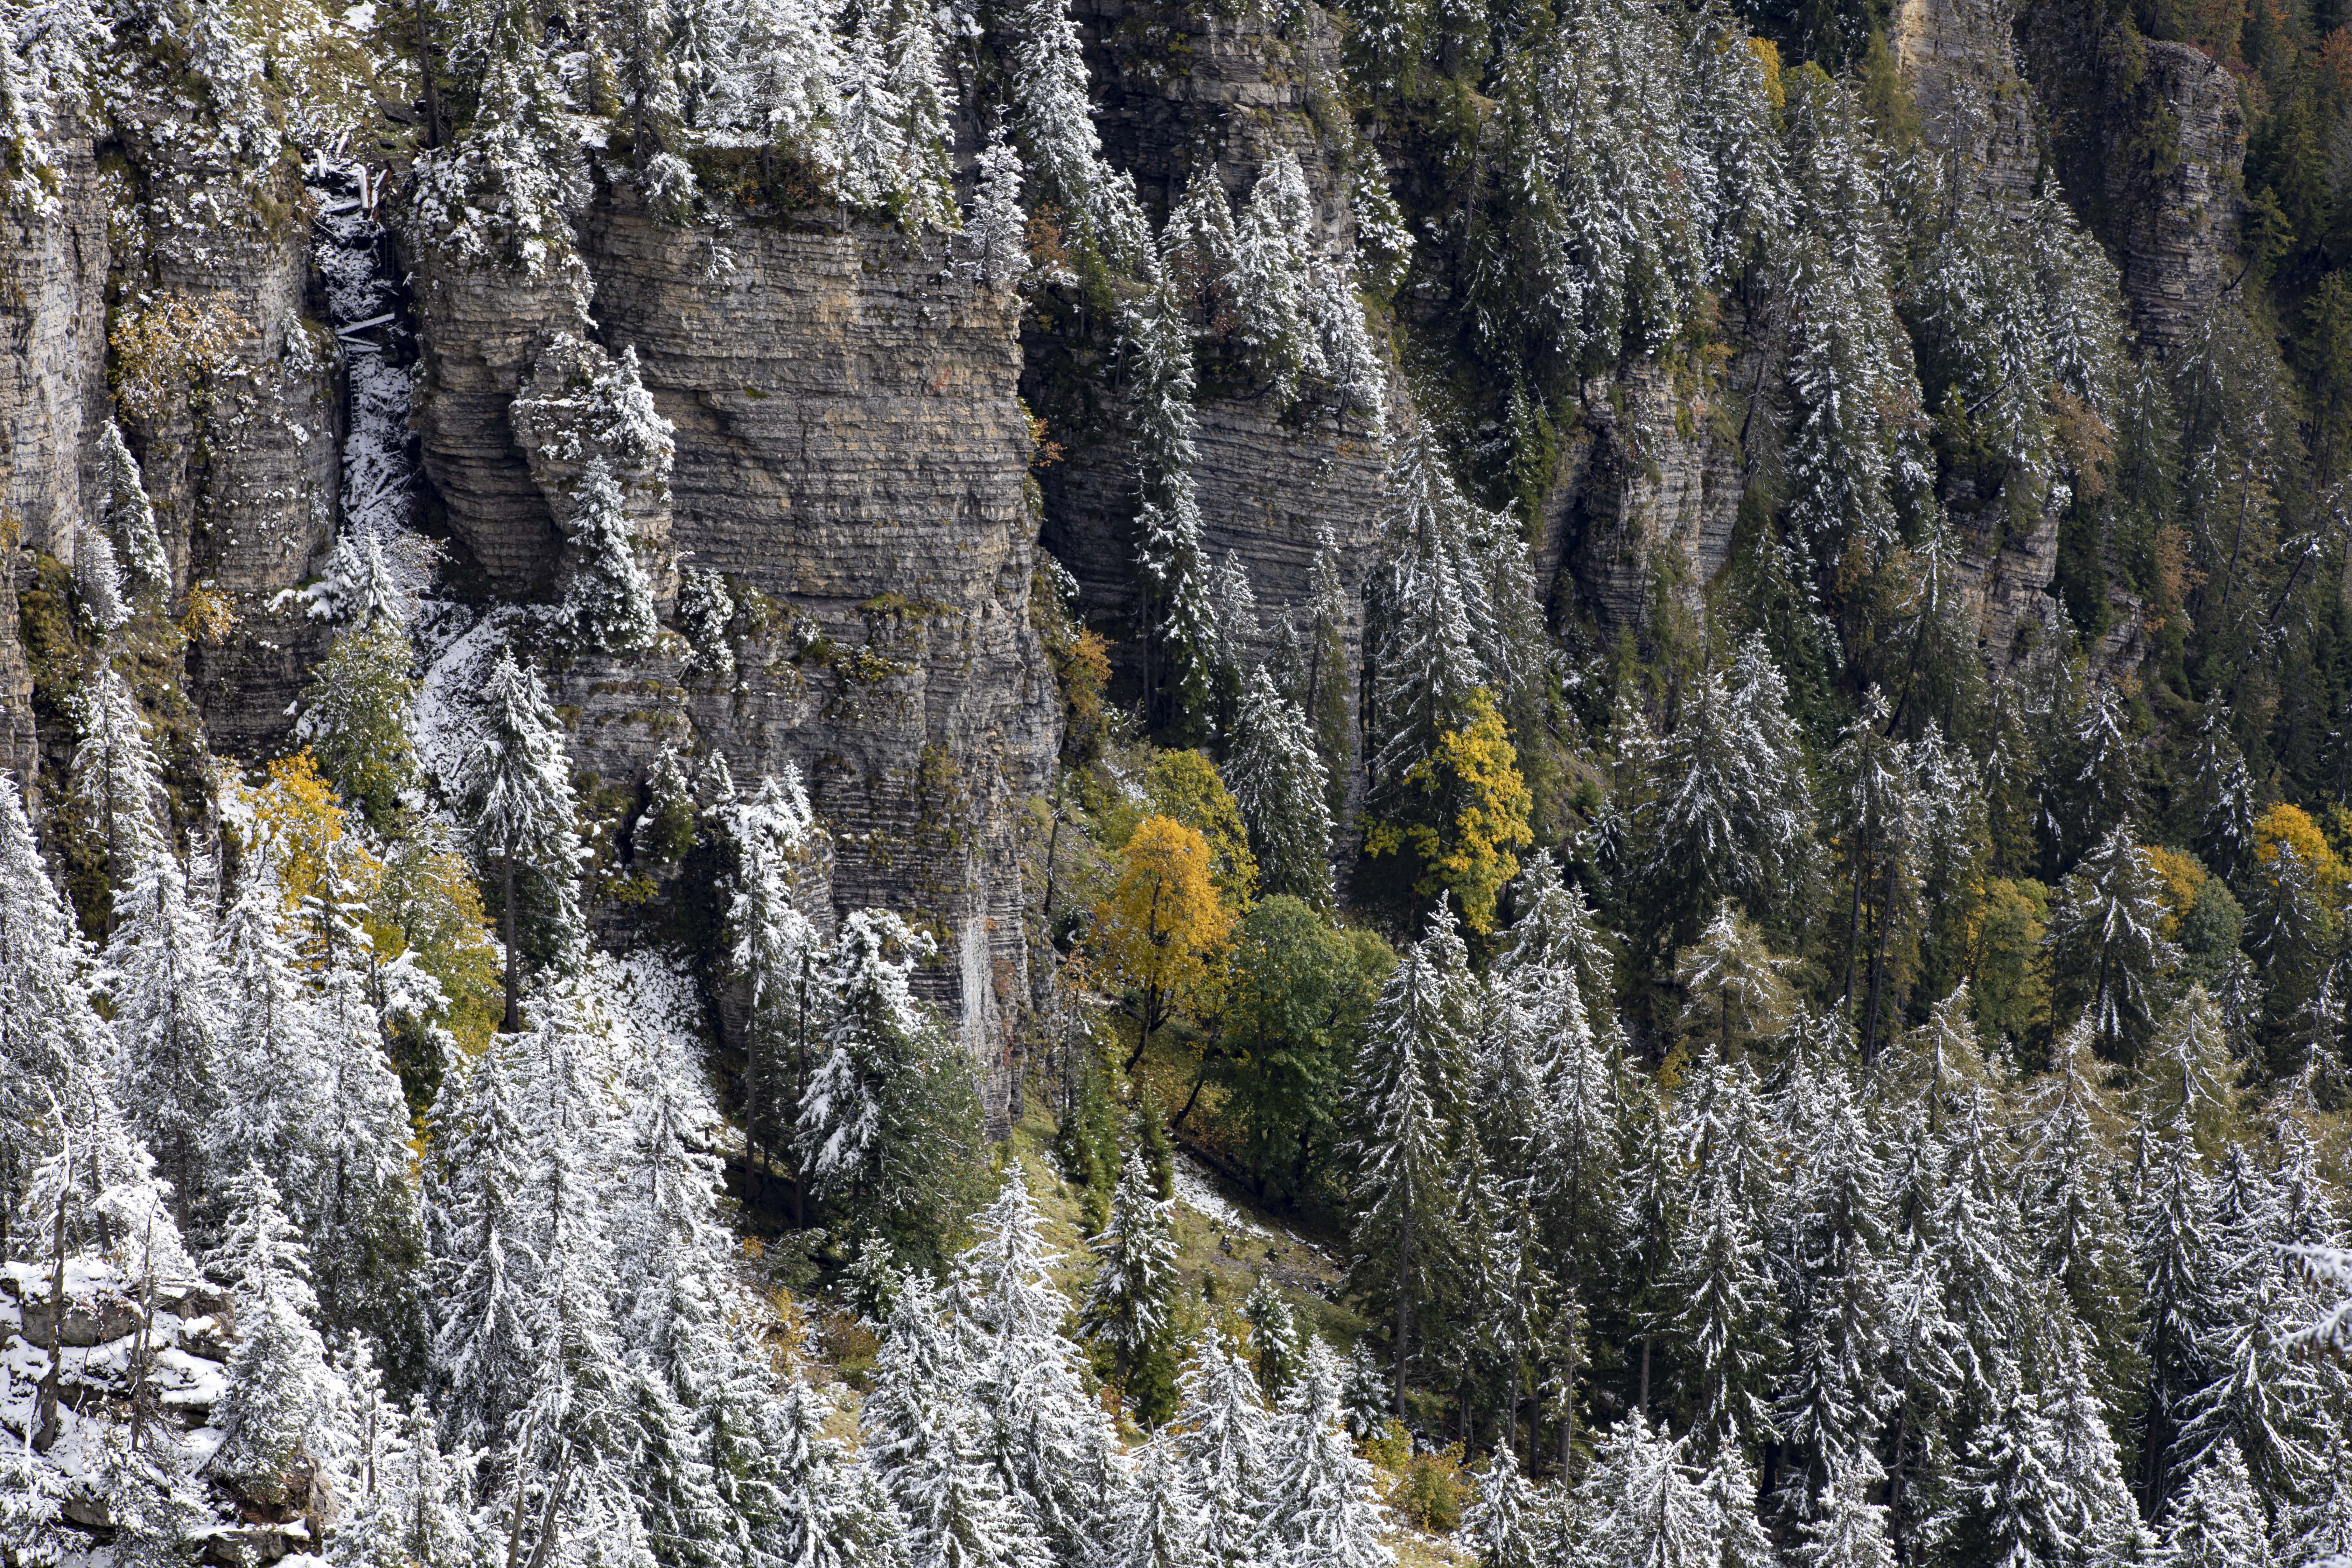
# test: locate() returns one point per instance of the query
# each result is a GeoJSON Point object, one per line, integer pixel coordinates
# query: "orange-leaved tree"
{"type": "Point", "coordinates": [1162, 930]}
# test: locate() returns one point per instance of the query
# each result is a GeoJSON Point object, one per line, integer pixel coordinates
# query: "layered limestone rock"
{"type": "Point", "coordinates": [1185, 92]}
{"type": "Point", "coordinates": [2174, 202]}
{"type": "Point", "coordinates": [1958, 59]}
{"type": "Point", "coordinates": [53, 261]}
{"type": "Point", "coordinates": [241, 458]}
{"type": "Point", "coordinates": [850, 456]}
{"type": "Point", "coordinates": [1648, 489]}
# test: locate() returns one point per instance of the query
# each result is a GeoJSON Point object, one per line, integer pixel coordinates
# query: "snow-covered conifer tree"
{"type": "Point", "coordinates": [776, 950]}
{"type": "Point", "coordinates": [130, 516]}
{"type": "Point", "coordinates": [1501, 1522]}
{"type": "Point", "coordinates": [2108, 944]}
{"type": "Point", "coordinates": [486, 1261]}
{"type": "Point", "coordinates": [996, 232]}
{"type": "Point", "coordinates": [882, 1121]}
{"type": "Point", "coordinates": [516, 783]}
{"type": "Point", "coordinates": [278, 1418]}
{"type": "Point", "coordinates": [1640, 1502]}
{"type": "Point", "coordinates": [778, 85]}
{"type": "Point", "coordinates": [1277, 781]}
{"type": "Point", "coordinates": [115, 782]}
{"type": "Point", "coordinates": [926, 1438]}
{"type": "Point", "coordinates": [1421, 600]}
{"type": "Point", "coordinates": [168, 1019]}
{"type": "Point", "coordinates": [1849, 1530]}
{"type": "Point", "coordinates": [1157, 1524]}
{"type": "Point", "coordinates": [1402, 1112]}
{"type": "Point", "coordinates": [926, 98]}
{"type": "Point", "coordinates": [1222, 1431]}
{"type": "Point", "coordinates": [1126, 1304]}
{"type": "Point", "coordinates": [1321, 1510]}
{"type": "Point", "coordinates": [51, 1036]}
{"type": "Point", "coordinates": [1050, 1443]}
{"type": "Point", "coordinates": [1180, 619]}
{"type": "Point", "coordinates": [2216, 1520]}
{"type": "Point", "coordinates": [1274, 261]}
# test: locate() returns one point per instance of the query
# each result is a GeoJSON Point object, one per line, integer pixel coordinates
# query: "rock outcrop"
{"type": "Point", "coordinates": [2173, 198]}
{"type": "Point", "coordinates": [1198, 92]}
{"type": "Point", "coordinates": [851, 456]}
{"type": "Point", "coordinates": [53, 263]}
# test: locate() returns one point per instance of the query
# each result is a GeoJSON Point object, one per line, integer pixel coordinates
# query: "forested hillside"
{"type": "Point", "coordinates": [1087, 783]}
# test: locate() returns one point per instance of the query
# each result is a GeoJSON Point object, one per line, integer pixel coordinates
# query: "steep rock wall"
{"type": "Point", "coordinates": [1187, 90]}
{"type": "Point", "coordinates": [851, 456]}
{"type": "Point", "coordinates": [53, 264]}
{"type": "Point", "coordinates": [2173, 194]}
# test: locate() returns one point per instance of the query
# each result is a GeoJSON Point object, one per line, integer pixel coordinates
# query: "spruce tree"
{"type": "Point", "coordinates": [168, 1017]}
{"type": "Point", "coordinates": [1404, 1116]}
{"type": "Point", "coordinates": [51, 1036]}
{"type": "Point", "coordinates": [115, 782]}
{"type": "Point", "coordinates": [1125, 1304]}
{"type": "Point", "coordinates": [1277, 781]}
{"type": "Point", "coordinates": [1321, 1510]}
{"type": "Point", "coordinates": [2107, 946]}
{"type": "Point", "coordinates": [516, 783]}
{"type": "Point", "coordinates": [1221, 1430]}
{"type": "Point", "coordinates": [1048, 1441]}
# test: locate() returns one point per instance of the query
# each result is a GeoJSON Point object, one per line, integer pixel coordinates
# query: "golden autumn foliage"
{"type": "Point", "coordinates": [1481, 821]}
{"type": "Point", "coordinates": [422, 900]}
{"type": "Point", "coordinates": [1162, 930]}
{"type": "Point", "coordinates": [1185, 786]}
{"type": "Point", "coordinates": [2284, 824]}
{"type": "Point", "coordinates": [2182, 877]}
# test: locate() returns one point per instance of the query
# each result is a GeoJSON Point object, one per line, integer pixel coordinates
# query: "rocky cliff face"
{"type": "Point", "coordinates": [2174, 199]}
{"type": "Point", "coordinates": [53, 264]}
{"type": "Point", "coordinates": [851, 459]}
{"type": "Point", "coordinates": [1188, 91]}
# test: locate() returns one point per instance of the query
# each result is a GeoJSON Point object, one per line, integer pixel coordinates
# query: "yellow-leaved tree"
{"type": "Point", "coordinates": [1469, 844]}
{"type": "Point", "coordinates": [1162, 930]}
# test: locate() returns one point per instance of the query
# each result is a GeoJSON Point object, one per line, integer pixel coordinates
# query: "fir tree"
{"type": "Point", "coordinates": [1321, 1511]}
{"type": "Point", "coordinates": [115, 781]}
{"type": "Point", "coordinates": [283, 1397]}
{"type": "Point", "coordinates": [168, 1019]}
{"type": "Point", "coordinates": [51, 1036]}
{"type": "Point", "coordinates": [1221, 1430]}
{"type": "Point", "coordinates": [1159, 1522]}
{"type": "Point", "coordinates": [1048, 1441]}
{"type": "Point", "coordinates": [2107, 946]}
{"type": "Point", "coordinates": [130, 516]}
{"type": "Point", "coordinates": [885, 1115]}
{"type": "Point", "coordinates": [1500, 1524]}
